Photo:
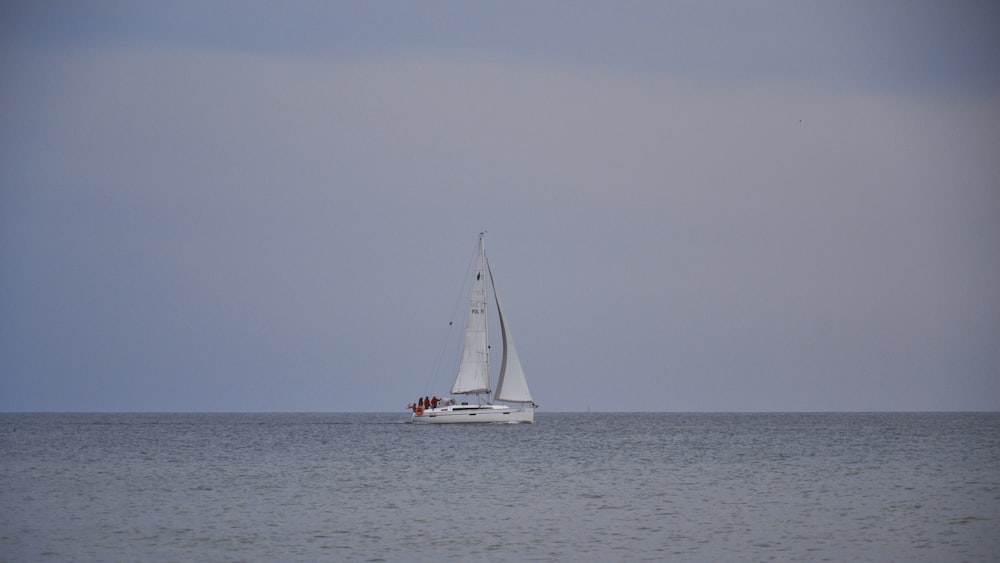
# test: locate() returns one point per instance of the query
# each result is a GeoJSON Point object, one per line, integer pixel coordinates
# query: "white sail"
{"type": "Point", "coordinates": [512, 385]}
{"type": "Point", "coordinates": [473, 371]}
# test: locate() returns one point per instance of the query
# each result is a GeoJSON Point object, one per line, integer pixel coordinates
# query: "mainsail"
{"type": "Point", "coordinates": [473, 371]}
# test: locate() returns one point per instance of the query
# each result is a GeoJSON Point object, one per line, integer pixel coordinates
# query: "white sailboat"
{"type": "Point", "coordinates": [473, 378]}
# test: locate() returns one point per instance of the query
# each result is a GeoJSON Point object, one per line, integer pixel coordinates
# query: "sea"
{"type": "Point", "coordinates": [571, 487]}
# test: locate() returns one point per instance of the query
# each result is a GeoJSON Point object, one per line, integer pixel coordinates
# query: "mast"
{"type": "Point", "coordinates": [484, 269]}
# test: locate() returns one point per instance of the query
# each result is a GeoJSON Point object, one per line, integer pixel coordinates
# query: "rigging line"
{"type": "Point", "coordinates": [428, 382]}
{"type": "Point", "coordinates": [463, 293]}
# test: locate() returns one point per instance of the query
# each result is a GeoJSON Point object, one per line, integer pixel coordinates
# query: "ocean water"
{"type": "Point", "coordinates": [572, 487]}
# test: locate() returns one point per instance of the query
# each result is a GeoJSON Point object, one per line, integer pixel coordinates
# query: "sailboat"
{"type": "Point", "coordinates": [473, 377]}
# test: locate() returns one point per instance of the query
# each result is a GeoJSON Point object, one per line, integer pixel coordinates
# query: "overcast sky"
{"type": "Point", "coordinates": [691, 206]}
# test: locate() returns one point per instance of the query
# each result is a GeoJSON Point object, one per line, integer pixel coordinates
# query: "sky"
{"type": "Point", "coordinates": [691, 206]}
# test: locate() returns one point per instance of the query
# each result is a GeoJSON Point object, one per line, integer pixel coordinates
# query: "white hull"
{"type": "Point", "coordinates": [467, 414]}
